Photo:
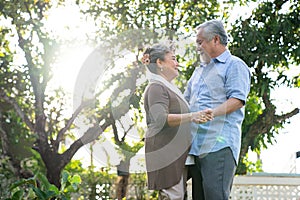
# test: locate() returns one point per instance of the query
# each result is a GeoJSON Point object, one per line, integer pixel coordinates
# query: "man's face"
{"type": "Point", "coordinates": [203, 45]}
{"type": "Point", "coordinates": [204, 57]}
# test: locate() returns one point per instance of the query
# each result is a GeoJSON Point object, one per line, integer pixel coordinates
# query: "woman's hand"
{"type": "Point", "coordinates": [203, 116]}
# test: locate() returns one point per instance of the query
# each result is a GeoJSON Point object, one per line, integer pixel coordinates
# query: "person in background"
{"type": "Point", "coordinates": [221, 83]}
{"type": "Point", "coordinates": [168, 136]}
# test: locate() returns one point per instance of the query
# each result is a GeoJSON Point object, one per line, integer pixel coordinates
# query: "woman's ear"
{"type": "Point", "coordinates": [158, 62]}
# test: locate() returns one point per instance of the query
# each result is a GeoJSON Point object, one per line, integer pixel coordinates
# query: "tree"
{"type": "Point", "coordinates": [130, 25]}
{"type": "Point", "coordinates": [26, 95]}
{"type": "Point", "coordinates": [269, 43]}
{"type": "Point", "coordinates": [134, 25]}
{"type": "Point", "coordinates": [25, 90]}
{"type": "Point", "coordinates": [266, 41]}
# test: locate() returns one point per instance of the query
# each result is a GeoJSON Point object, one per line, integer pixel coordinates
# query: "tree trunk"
{"type": "Point", "coordinates": [54, 168]}
{"type": "Point", "coordinates": [54, 162]}
{"type": "Point", "coordinates": [53, 175]}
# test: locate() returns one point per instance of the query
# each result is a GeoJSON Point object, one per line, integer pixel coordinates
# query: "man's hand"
{"type": "Point", "coordinates": [203, 116]}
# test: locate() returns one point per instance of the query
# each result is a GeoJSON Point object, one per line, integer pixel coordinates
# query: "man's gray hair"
{"type": "Point", "coordinates": [212, 28]}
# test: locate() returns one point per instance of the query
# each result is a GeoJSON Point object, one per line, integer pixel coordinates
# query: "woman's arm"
{"type": "Point", "coordinates": [196, 117]}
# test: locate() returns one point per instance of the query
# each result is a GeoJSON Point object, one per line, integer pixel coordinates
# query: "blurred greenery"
{"type": "Point", "coordinates": [39, 140]}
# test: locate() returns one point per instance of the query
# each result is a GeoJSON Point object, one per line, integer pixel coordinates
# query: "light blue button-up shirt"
{"type": "Point", "coordinates": [225, 77]}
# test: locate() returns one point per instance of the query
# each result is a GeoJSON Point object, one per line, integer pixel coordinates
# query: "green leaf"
{"type": "Point", "coordinates": [54, 189]}
{"type": "Point", "coordinates": [18, 195]}
{"type": "Point", "coordinates": [75, 179]}
{"type": "Point", "coordinates": [39, 193]}
{"type": "Point", "coordinates": [64, 177]}
{"type": "Point", "coordinates": [41, 177]}
{"type": "Point", "coordinates": [23, 182]}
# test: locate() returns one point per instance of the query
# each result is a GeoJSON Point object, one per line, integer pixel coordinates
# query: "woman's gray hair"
{"type": "Point", "coordinates": [157, 51]}
{"type": "Point", "coordinates": [212, 28]}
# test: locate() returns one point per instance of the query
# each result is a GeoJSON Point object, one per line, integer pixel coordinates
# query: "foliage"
{"type": "Point", "coordinates": [41, 111]}
{"type": "Point", "coordinates": [7, 176]}
{"type": "Point", "coordinates": [252, 166]}
{"type": "Point", "coordinates": [102, 183]}
{"type": "Point", "coordinates": [39, 187]}
{"type": "Point", "coordinates": [94, 184]}
{"type": "Point", "coordinates": [264, 41]}
{"type": "Point", "coordinates": [97, 184]}
{"type": "Point", "coordinates": [268, 41]}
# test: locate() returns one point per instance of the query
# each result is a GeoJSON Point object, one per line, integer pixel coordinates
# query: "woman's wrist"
{"type": "Point", "coordinates": [190, 116]}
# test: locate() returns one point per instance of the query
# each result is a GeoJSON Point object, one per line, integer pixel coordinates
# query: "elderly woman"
{"type": "Point", "coordinates": [168, 137]}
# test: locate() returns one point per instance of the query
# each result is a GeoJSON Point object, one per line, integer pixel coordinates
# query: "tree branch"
{"type": "Point", "coordinates": [286, 116]}
{"type": "Point", "coordinates": [60, 134]}
{"type": "Point", "coordinates": [116, 136]}
{"type": "Point", "coordinates": [18, 109]}
{"type": "Point", "coordinates": [4, 138]}
{"type": "Point", "coordinates": [90, 135]}
{"type": "Point", "coordinates": [263, 125]}
{"type": "Point", "coordinates": [126, 132]}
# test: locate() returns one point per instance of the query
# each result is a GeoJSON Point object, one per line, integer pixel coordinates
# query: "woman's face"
{"type": "Point", "coordinates": [169, 67]}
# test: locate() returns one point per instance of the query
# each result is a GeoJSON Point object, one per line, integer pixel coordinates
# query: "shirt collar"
{"type": "Point", "coordinates": [223, 57]}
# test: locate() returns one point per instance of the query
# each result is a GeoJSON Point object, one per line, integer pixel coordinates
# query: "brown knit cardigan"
{"type": "Point", "coordinates": [166, 148]}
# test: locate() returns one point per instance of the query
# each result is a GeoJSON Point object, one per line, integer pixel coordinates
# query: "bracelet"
{"type": "Point", "coordinates": [191, 116]}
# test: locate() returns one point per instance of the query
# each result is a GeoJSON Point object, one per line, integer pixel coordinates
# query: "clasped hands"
{"type": "Point", "coordinates": [202, 116]}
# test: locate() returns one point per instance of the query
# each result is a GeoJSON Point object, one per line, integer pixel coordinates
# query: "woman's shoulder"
{"type": "Point", "coordinates": [157, 86]}
{"type": "Point", "coordinates": [157, 90]}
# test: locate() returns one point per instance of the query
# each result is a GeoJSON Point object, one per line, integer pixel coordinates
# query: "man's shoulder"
{"type": "Point", "coordinates": [235, 60]}
{"type": "Point", "coordinates": [227, 56]}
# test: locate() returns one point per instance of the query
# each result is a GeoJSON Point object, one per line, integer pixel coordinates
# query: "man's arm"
{"type": "Point", "coordinates": [228, 107]}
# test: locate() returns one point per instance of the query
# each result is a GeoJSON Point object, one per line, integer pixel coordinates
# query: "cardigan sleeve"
{"type": "Point", "coordinates": [158, 104]}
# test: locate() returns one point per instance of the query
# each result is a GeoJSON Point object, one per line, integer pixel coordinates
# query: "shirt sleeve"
{"type": "Point", "coordinates": [238, 81]}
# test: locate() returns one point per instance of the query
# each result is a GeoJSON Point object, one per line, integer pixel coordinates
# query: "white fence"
{"type": "Point", "coordinates": [263, 186]}
{"type": "Point", "coordinates": [266, 187]}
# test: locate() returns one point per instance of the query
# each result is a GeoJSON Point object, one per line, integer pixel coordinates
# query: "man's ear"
{"type": "Point", "coordinates": [217, 39]}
